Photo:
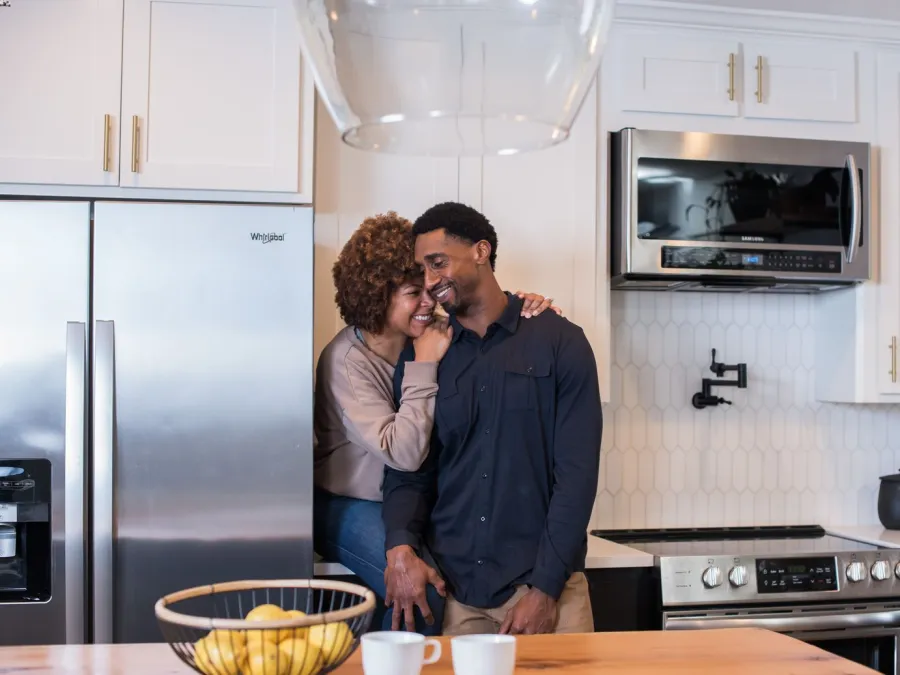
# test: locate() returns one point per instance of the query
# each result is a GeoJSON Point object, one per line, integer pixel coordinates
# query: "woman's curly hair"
{"type": "Point", "coordinates": [378, 258]}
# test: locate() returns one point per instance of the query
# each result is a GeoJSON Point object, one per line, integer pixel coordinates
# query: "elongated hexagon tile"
{"type": "Point", "coordinates": [775, 456]}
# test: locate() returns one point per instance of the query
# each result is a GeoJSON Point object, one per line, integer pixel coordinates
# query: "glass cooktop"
{"type": "Point", "coordinates": [741, 541]}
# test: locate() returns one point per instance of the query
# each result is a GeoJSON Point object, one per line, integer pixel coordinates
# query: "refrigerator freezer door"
{"type": "Point", "coordinates": [203, 377]}
{"type": "Point", "coordinates": [44, 277]}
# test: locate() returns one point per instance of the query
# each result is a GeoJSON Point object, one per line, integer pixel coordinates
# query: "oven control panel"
{"type": "Point", "coordinates": [687, 580]}
{"type": "Point", "coordinates": [796, 575]}
{"type": "Point", "coordinates": [742, 259]}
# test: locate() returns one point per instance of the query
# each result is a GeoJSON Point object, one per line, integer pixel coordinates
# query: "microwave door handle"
{"type": "Point", "coordinates": [855, 207]}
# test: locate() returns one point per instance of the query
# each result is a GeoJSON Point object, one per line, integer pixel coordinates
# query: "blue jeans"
{"type": "Point", "coordinates": [350, 532]}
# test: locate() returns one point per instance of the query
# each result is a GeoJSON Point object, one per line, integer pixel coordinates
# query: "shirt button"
{"type": "Point", "coordinates": [482, 519]}
{"type": "Point", "coordinates": [484, 475]}
{"type": "Point", "coordinates": [481, 562]}
{"type": "Point", "coordinates": [483, 388]}
{"type": "Point", "coordinates": [529, 369]}
{"type": "Point", "coordinates": [487, 431]}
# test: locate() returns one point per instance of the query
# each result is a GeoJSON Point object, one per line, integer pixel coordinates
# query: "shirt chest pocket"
{"type": "Point", "coordinates": [523, 382]}
{"type": "Point", "coordinates": [451, 411]}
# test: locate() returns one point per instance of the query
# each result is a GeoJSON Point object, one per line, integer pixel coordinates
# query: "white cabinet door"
{"type": "Point", "coordinates": [692, 75]}
{"type": "Point", "coordinates": [800, 80]}
{"type": "Point", "coordinates": [59, 80]}
{"type": "Point", "coordinates": [211, 95]}
{"type": "Point", "coordinates": [885, 352]}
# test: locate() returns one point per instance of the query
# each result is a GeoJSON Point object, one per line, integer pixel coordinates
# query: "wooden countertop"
{"type": "Point", "coordinates": [742, 651]}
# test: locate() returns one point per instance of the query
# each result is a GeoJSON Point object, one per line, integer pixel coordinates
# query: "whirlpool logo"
{"type": "Point", "coordinates": [266, 238]}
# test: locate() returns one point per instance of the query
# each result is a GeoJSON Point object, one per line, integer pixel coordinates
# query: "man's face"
{"type": "Point", "coordinates": [452, 268]}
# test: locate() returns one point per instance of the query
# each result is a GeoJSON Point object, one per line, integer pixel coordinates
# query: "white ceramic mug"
{"type": "Point", "coordinates": [484, 654]}
{"type": "Point", "coordinates": [397, 653]}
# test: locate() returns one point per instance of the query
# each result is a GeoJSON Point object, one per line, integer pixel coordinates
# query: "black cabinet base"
{"type": "Point", "coordinates": [624, 599]}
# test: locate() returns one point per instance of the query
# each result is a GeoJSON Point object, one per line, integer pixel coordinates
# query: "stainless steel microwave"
{"type": "Point", "coordinates": [712, 212]}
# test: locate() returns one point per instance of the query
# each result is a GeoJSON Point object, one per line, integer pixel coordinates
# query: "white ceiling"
{"type": "Point", "coordinates": [870, 9]}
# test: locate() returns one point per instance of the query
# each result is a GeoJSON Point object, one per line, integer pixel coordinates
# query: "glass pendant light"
{"type": "Point", "coordinates": [454, 77]}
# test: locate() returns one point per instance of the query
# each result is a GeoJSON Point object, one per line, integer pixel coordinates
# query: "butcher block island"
{"type": "Point", "coordinates": [739, 651]}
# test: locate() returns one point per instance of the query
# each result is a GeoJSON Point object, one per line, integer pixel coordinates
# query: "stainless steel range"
{"type": "Point", "coordinates": [842, 595]}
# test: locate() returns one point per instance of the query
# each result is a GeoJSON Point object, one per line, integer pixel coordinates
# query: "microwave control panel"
{"type": "Point", "coordinates": [741, 259]}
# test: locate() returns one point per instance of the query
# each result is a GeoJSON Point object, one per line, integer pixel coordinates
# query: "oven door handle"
{"type": "Point", "coordinates": [783, 623]}
{"type": "Point", "coordinates": [855, 207]}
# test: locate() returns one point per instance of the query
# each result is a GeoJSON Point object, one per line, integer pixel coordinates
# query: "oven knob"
{"type": "Point", "coordinates": [856, 571]}
{"type": "Point", "coordinates": [881, 570]}
{"type": "Point", "coordinates": [712, 577]}
{"type": "Point", "coordinates": [738, 576]}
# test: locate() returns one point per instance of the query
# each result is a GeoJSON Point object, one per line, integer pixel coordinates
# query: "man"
{"type": "Point", "coordinates": [504, 498]}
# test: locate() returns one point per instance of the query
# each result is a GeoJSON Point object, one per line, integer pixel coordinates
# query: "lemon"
{"type": "Point", "coordinates": [334, 639]}
{"type": "Point", "coordinates": [266, 613]}
{"type": "Point", "coordinates": [218, 657]}
{"type": "Point", "coordinates": [265, 661]}
{"type": "Point", "coordinates": [293, 633]}
{"type": "Point", "coordinates": [235, 639]}
{"type": "Point", "coordinates": [256, 638]}
{"type": "Point", "coordinates": [299, 657]}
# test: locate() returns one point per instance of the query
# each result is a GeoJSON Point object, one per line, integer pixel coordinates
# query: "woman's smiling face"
{"type": "Point", "coordinates": [411, 309]}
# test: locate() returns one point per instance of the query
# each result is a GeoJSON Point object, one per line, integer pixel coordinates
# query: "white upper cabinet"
{"type": "Point", "coordinates": [151, 99]}
{"type": "Point", "coordinates": [800, 80]}
{"type": "Point", "coordinates": [211, 95]}
{"type": "Point", "coordinates": [704, 72]}
{"type": "Point", "coordinates": [669, 74]}
{"type": "Point", "coordinates": [60, 69]}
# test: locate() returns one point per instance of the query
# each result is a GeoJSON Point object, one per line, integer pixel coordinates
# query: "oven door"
{"type": "Point", "coordinates": [864, 635]}
{"type": "Point", "coordinates": [684, 191]}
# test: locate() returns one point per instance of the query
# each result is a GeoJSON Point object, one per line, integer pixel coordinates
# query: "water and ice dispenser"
{"type": "Point", "coordinates": [25, 534]}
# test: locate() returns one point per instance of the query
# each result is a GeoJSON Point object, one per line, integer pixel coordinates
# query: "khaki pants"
{"type": "Point", "coordinates": [574, 612]}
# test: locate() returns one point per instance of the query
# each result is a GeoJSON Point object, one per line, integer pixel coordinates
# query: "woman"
{"type": "Point", "coordinates": [358, 428]}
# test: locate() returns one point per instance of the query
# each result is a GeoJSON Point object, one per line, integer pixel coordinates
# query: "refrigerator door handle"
{"type": "Point", "coordinates": [76, 387]}
{"type": "Point", "coordinates": [104, 446]}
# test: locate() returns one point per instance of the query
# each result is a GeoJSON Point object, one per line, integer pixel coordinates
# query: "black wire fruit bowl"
{"type": "Point", "coordinates": [283, 627]}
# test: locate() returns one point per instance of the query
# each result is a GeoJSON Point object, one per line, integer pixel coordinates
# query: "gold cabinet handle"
{"type": "Point", "coordinates": [731, 77]}
{"type": "Point", "coordinates": [107, 122]}
{"type": "Point", "coordinates": [893, 348]}
{"type": "Point", "coordinates": [135, 143]}
{"type": "Point", "coordinates": [759, 79]}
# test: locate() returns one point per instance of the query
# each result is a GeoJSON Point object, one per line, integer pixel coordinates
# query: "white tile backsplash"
{"type": "Point", "coordinates": [776, 456]}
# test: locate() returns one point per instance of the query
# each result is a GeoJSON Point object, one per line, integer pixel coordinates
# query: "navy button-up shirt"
{"type": "Point", "coordinates": [505, 495]}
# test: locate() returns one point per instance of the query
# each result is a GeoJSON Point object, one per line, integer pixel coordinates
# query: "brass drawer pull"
{"type": "Point", "coordinates": [759, 79]}
{"type": "Point", "coordinates": [107, 122]}
{"type": "Point", "coordinates": [135, 143]}
{"type": "Point", "coordinates": [731, 77]}
{"type": "Point", "coordinates": [893, 347]}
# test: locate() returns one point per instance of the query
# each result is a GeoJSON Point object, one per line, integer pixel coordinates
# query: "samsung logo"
{"type": "Point", "coordinates": [265, 238]}
{"type": "Point", "coordinates": [743, 238]}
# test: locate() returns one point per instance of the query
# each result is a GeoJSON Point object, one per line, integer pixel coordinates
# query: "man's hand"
{"type": "Point", "coordinates": [534, 613]}
{"type": "Point", "coordinates": [406, 577]}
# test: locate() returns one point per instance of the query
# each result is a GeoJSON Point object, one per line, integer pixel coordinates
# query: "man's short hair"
{"type": "Point", "coordinates": [460, 221]}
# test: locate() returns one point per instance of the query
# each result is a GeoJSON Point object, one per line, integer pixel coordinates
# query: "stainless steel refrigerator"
{"type": "Point", "coordinates": [160, 356]}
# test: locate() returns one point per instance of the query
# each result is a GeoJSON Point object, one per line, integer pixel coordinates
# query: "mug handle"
{"type": "Point", "coordinates": [435, 653]}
